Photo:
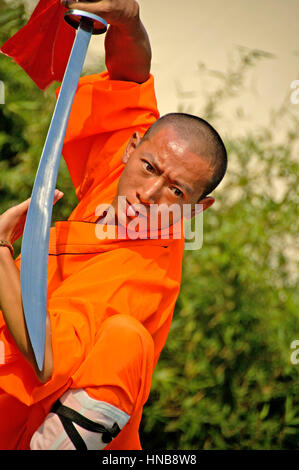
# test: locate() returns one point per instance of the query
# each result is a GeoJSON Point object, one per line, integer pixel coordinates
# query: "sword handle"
{"type": "Point", "coordinates": [79, 17]}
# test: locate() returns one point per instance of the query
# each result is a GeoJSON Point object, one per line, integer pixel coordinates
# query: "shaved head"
{"type": "Point", "coordinates": [202, 140]}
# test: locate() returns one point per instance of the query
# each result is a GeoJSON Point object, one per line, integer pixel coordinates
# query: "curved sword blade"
{"type": "Point", "coordinates": [35, 243]}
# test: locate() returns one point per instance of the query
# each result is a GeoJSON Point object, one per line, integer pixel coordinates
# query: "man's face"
{"type": "Point", "coordinates": [160, 170]}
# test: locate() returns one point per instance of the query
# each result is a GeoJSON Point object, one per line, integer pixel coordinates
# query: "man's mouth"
{"type": "Point", "coordinates": [133, 210]}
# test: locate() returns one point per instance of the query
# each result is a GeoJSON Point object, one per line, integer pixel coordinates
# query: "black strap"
{"type": "Point", "coordinates": [68, 416]}
{"type": "Point", "coordinates": [73, 433]}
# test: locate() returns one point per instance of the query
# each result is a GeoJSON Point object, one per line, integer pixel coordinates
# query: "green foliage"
{"type": "Point", "coordinates": [225, 379]}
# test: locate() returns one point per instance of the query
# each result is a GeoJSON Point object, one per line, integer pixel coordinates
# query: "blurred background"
{"type": "Point", "coordinates": [228, 376]}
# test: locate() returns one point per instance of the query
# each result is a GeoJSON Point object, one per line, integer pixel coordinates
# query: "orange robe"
{"type": "Point", "coordinates": [91, 279]}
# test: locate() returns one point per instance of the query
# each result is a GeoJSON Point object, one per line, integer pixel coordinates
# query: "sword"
{"type": "Point", "coordinates": [35, 243]}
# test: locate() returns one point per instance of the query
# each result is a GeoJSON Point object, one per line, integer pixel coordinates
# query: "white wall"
{"type": "Point", "coordinates": [185, 33]}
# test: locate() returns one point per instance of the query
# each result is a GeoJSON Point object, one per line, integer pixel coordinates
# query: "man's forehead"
{"type": "Point", "coordinates": [167, 151]}
{"type": "Point", "coordinates": [176, 140]}
{"type": "Point", "coordinates": [164, 132]}
{"type": "Point", "coordinates": [166, 142]}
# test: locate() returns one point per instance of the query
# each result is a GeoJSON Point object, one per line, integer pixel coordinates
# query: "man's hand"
{"type": "Point", "coordinates": [127, 46]}
{"type": "Point", "coordinates": [121, 13]}
{"type": "Point", "coordinates": [12, 221]}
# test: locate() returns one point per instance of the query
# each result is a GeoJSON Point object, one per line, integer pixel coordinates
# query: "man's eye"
{"type": "Point", "coordinates": [148, 166]}
{"type": "Point", "coordinates": [177, 192]}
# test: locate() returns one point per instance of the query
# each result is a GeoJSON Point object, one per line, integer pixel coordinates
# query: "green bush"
{"type": "Point", "coordinates": [225, 379]}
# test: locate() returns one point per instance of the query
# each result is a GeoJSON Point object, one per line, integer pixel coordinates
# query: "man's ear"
{"type": "Point", "coordinates": [133, 143]}
{"type": "Point", "coordinates": [201, 206]}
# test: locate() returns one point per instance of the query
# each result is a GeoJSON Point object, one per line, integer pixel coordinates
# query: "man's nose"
{"type": "Point", "coordinates": [149, 194]}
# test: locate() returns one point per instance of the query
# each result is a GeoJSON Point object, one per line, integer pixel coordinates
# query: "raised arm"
{"type": "Point", "coordinates": [127, 46]}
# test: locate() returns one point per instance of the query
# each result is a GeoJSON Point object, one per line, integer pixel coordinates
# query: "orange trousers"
{"type": "Point", "coordinates": [117, 371]}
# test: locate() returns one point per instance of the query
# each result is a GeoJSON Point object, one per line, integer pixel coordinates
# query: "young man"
{"type": "Point", "coordinates": [110, 300]}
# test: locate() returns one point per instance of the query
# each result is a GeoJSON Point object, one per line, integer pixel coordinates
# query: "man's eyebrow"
{"type": "Point", "coordinates": [184, 186]}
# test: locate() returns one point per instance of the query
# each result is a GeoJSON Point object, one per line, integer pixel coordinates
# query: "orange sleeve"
{"type": "Point", "coordinates": [73, 333]}
{"type": "Point", "coordinates": [105, 113]}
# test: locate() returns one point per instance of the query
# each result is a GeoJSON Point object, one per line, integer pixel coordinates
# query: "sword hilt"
{"type": "Point", "coordinates": [79, 17]}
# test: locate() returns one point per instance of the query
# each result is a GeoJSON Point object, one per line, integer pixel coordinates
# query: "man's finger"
{"type": "Point", "coordinates": [91, 6]}
{"type": "Point", "coordinates": [22, 208]}
{"type": "Point", "coordinates": [57, 195]}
